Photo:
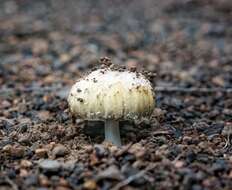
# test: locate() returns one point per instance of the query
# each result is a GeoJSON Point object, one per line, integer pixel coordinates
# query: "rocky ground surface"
{"type": "Point", "coordinates": [46, 45]}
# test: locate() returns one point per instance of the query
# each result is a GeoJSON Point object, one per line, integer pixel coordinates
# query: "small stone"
{"type": "Point", "coordinates": [59, 151]}
{"type": "Point", "coordinates": [31, 180]}
{"type": "Point", "coordinates": [90, 185]}
{"type": "Point", "coordinates": [227, 130]}
{"type": "Point", "coordinates": [7, 148]}
{"type": "Point", "coordinates": [17, 151]}
{"type": "Point", "coordinates": [138, 150]}
{"type": "Point", "coordinates": [22, 107]}
{"type": "Point", "coordinates": [100, 150]}
{"type": "Point", "coordinates": [187, 139]}
{"type": "Point", "coordinates": [41, 152]}
{"type": "Point", "coordinates": [113, 149]}
{"type": "Point", "coordinates": [93, 159]}
{"type": "Point", "coordinates": [25, 164]}
{"type": "Point", "coordinates": [159, 114]}
{"type": "Point", "coordinates": [69, 165]}
{"type": "Point", "coordinates": [50, 165]}
{"type": "Point", "coordinates": [63, 182]}
{"type": "Point", "coordinates": [23, 173]}
{"type": "Point", "coordinates": [131, 63]}
{"type": "Point", "coordinates": [88, 148]}
{"type": "Point", "coordinates": [5, 104]}
{"type": "Point", "coordinates": [112, 172]}
{"type": "Point", "coordinates": [197, 187]}
{"type": "Point", "coordinates": [179, 164]}
{"type": "Point", "coordinates": [64, 58]}
{"type": "Point", "coordinates": [39, 46]}
{"type": "Point", "coordinates": [44, 115]}
{"type": "Point", "coordinates": [24, 140]}
{"type": "Point", "coordinates": [230, 174]}
{"type": "Point", "coordinates": [138, 164]}
{"type": "Point", "coordinates": [62, 188]}
{"type": "Point", "coordinates": [218, 81]}
{"type": "Point", "coordinates": [43, 180]}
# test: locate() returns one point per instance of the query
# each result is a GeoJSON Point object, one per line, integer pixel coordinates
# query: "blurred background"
{"type": "Point", "coordinates": [52, 41]}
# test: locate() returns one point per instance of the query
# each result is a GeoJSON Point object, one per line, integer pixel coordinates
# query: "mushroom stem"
{"type": "Point", "coordinates": [112, 133]}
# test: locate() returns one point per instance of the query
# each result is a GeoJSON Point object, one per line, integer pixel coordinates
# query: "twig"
{"type": "Point", "coordinates": [11, 183]}
{"type": "Point", "coordinates": [157, 133]}
{"type": "Point", "coordinates": [133, 177]}
{"type": "Point", "coordinates": [228, 143]}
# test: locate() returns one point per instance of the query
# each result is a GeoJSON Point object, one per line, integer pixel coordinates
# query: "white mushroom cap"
{"type": "Point", "coordinates": [111, 94]}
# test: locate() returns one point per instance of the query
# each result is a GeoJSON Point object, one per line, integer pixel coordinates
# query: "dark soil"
{"type": "Point", "coordinates": [45, 46]}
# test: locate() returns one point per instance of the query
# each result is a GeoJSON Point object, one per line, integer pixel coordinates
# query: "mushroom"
{"type": "Point", "coordinates": [111, 95]}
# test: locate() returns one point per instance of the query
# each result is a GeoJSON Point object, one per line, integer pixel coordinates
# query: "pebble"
{"type": "Point", "coordinates": [138, 150]}
{"type": "Point", "coordinates": [63, 182]}
{"type": "Point", "coordinates": [100, 150]}
{"type": "Point", "coordinates": [17, 151]}
{"type": "Point", "coordinates": [41, 152]}
{"type": "Point", "coordinates": [5, 104]}
{"type": "Point", "coordinates": [59, 151]}
{"type": "Point", "coordinates": [62, 188]}
{"type": "Point", "coordinates": [7, 148]}
{"type": "Point", "coordinates": [88, 148]}
{"type": "Point", "coordinates": [69, 165]}
{"type": "Point", "coordinates": [90, 185]}
{"type": "Point", "coordinates": [44, 115]}
{"type": "Point", "coordinates": [31, 180]}
{"type": "Point", "coordinates": [25, 164]}
{"type": "Point", "coordinates": [179, 164]}
{"type": "Point", "coordinates": [43, 180]}
{"type": "Point", "coordinates": [23, 173]}
{"type": "Point", "coordinates": [227, 130]}
{"type": "Point", "coordinates": [39, 46]}
{"type": "Point", "coordinates": [24, 140]}
{"type": "Point", "coordinates": [112, 172]}
{"type": "Point", "coordinates": [50, 165]}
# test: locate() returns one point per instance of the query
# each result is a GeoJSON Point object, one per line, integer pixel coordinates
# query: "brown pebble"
{"type": "Point", "coordinates": [90, 185]}
{"type": "Point", "coordinates": [25, 164]}
{"type": "Point", "coordinates": [17, 151]}
{"type": "Point", "coordinates": [88, 148]}
{"type": "Point", "coordinates": [62, 188]}
{"type": "Point", "coordinates": [131, 63]}
{"type": "Point", "coordinates": [63, 182]}
{"type": "Point", "coordinates": [44, 182]}
{"type": "Point", "coordinates": [44, 115]}
{"type": "Point", "coordinates": [39, 46]}
{"type": "Point", "coordinates": [93, 159]}
{"type": "Point", "coordinates": [7, 148]}
{"type": "Point", "coordinates": [59, 151]}
{"type": "Point", "coordinates": [23, 173]}
{"type": "Point", "coordinates": [179, 164]}
{"type": "Point", "coordinates": [138, 150]}
{"type": "Point", "coordinates": [24, 140]}
{"type": "Point", "coordinates": [41, 152]}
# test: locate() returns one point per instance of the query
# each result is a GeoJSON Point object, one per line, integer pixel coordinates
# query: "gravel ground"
{"type": "Point", "coordinates": [45, 46]}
